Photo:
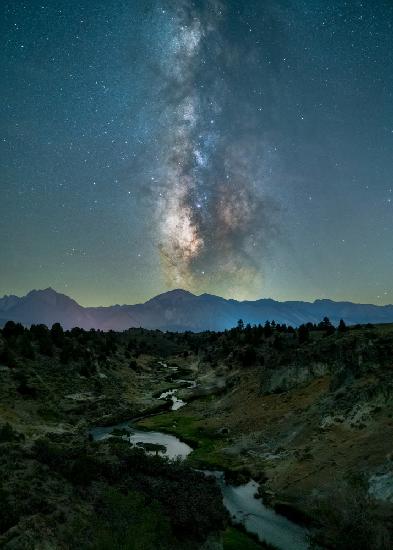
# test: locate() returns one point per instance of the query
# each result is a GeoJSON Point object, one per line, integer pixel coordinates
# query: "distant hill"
{"type": "Point", "coordinates": [179, 310]}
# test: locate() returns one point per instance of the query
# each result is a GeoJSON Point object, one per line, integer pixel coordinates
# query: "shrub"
{"type": "Point", "coordinates": [49, 453]}
{"type": "Point", "coordinates": [8, 516]}
{"type": "Point", "coordinates": [57, 334]}
{"type": "Point", "coordinates": [347, 520]}
{"type": "Point", "coordinates": [303, 334]}
{"type": "Point", "coordinates": [11, 330]}
{"type": "Point", "coordinates": [23, 387]}
{"type": "Point", "coordinates": [25, 347]}
{"type": "Point", "coordinates": [8, 358]}
{"type": "Point", "coordinates": [83, 470]}
{"type": "Point", "coordinates": [248, 356]}
{"type": "Point", "coordinates": [128, 522]}
{"type": "Point", "coordinates": [46, 346]}
{"type": "Point", "coordinates": [342, 327]}
{"type": "Point", "coordinates": [8, 434]}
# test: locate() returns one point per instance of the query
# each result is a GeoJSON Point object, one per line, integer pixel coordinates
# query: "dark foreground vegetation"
{"type": "Point", "coordinates": [74, 494]}
{"type": "Point", "coordinates": [58, 489]}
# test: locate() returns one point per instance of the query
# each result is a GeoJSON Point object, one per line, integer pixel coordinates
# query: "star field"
{"type": "Point", "coordinates": [241, 149]}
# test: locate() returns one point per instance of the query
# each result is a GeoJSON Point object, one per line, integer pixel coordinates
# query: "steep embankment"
{"type": "Point", "coordinates": [306, 429]}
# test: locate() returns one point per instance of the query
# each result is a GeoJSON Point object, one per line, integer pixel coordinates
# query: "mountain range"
{"type": "Point", "coordinates": [180, 310]}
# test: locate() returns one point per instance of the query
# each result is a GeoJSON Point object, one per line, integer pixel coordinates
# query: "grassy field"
{"type": "Point", "coordinates": [206, 443]}
{"type": "Point", "coordinates": [233, 539]}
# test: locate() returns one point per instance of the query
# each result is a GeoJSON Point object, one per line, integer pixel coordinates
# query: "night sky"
{"type": "Point", "coordinates": [243, 149]}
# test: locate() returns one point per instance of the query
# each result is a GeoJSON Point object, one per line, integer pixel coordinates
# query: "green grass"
{"type": "Point", "coordinates": [233, 539]}
{"type": "Point", "coordinates": [206, 443]}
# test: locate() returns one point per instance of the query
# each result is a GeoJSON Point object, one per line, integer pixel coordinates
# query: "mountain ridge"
{"type": "Point", "coordinates": [181, 310]}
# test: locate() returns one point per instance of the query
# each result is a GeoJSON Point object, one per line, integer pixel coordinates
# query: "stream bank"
{"type": "Point", "coordinates": [239, 500]}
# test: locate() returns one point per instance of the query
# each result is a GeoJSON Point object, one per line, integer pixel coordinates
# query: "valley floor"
{"type": "Point", "coordinates": [312, 430]}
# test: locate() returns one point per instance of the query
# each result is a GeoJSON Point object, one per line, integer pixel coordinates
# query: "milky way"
{"type": "Point", "coordinates": [213, 214]}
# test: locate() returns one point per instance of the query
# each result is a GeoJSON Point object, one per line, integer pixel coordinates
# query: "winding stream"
{"type": "Point", "coordinates": [259, 519]}
{"type": "Point", "coordinates": [176, 402]}
{"type": "Point", "coordinates": [239, 500]}
{"type": "Point", "coordinates": [174, 447]}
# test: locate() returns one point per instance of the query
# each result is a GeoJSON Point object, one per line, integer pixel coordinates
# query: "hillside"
{"type": "Point", "coordinates": [307, 413]}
